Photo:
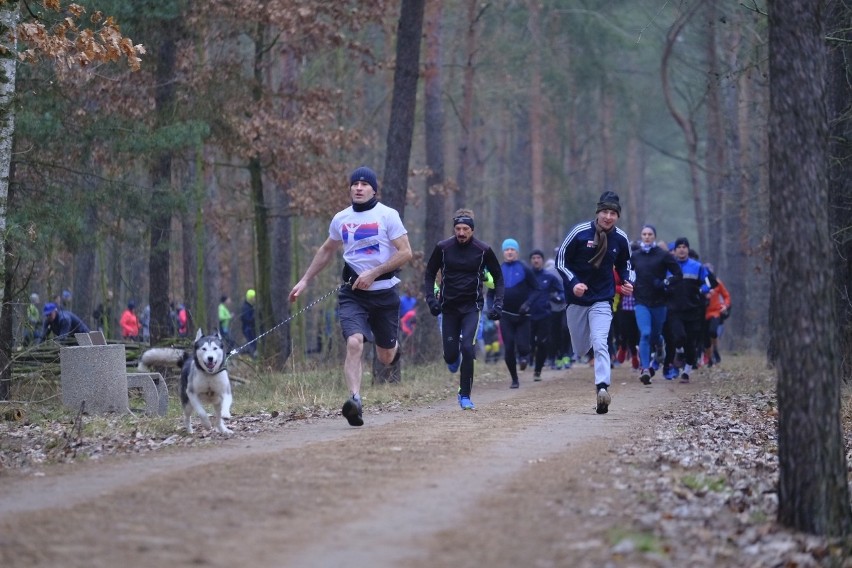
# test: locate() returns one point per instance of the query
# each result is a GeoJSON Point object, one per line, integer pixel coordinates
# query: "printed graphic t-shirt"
{"type": "Point", "coordinates": [367, 237]}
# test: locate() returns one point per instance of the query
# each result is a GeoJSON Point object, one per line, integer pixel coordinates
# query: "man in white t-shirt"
{"type": "Point", "coordinates": [375, 245]}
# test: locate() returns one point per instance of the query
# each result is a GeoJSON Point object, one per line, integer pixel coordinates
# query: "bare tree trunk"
{"type": "Point", "coordinates": [403, 105]}
{"type": "Point", "coordinates": [610, 163]}
{"type": "Point", "coordinates": [434, 127]}
{"type": "Point", "coordinates": [466, 118]}
{"type": "Point", "coordinates": [634, 172]}
{"type": "Point", "coordinates": [715, 153]}
{"type": "Point", "coordinates": [813, 491]}
{"type": "Point", "coordinates": [84, 271]}
{"type": "Point", "coordinates": [685, 122]}
{"type": "Point", "coordinates": [8, 62]}
{"type": "Point", "coordinates": [161, 173]}
{"type": "Point", "coordinates": [280, 342]}
{"type": "Point", "coordinates": [536, 142]}
{"type": "Point", "coordinates": [401, 129]}
{"type": "Point", "coordinates": [840, 175]}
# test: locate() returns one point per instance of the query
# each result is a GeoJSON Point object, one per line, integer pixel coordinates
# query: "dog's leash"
{"type": "Point", "coordinates": [334, 290]}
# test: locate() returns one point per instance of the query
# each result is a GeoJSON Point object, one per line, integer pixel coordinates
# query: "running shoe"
{"type": "Point", "coordinates": [603, 399]}
{"type": "Point", "coordinates": [515, 384]}
{"type": "Point", "coordinates": [352, 412]}
{"type": "Point", "coordinates": [465, 403]}
{"type": "Point", "coordinates": [645, 377]}
{"type": "Point", "coordinates": [454, 367]}
{"type": "Point", "coordinates": [671, 374]}
{"type": "Point", "coordinates": [537, 376]}
{"type": "Point", "coordinates": [522, 363]}
{"type": "Point", "coordinates": [684, 377]}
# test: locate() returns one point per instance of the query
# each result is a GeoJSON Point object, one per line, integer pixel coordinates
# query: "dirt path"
{"type": "Point", "coordinates": [525, 480]}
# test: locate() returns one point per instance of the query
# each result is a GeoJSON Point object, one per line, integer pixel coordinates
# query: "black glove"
{"type": "Point", "coordinates": [524, 309]}
{"type": "Point", "coordinates": [434, 307]}
{"type": "Point", "coordinates": [495, 313]}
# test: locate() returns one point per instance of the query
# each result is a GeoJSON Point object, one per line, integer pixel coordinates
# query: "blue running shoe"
{"type": "Point", "coordinates": [671, 374]}
{"type": "Point", "coordinates": [465, 403]}
{"type": "Point", "coordinates": [454, 367]}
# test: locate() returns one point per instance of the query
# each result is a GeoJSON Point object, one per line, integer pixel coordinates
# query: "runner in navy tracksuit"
{"type": "Point", "coordinates": [550, 284]}
{"type": "Point", "coordinates": [585, 260]}
{"type": "Point", "coordinates": [521, 292]}
{"type": "Point", "coordinates": [462, 260]}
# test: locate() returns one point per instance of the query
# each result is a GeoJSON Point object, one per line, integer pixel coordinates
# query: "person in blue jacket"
{"type": "Point", "coordinates": [521, 292]}
{"type": "Point", "coordinates": [684, 326]}
{"type": "Point", "coordinates": [61, 323]}
{"type": "Point", "coordinates": [550, 285]}
{"type": "Point", "coordinates": [586, 260]}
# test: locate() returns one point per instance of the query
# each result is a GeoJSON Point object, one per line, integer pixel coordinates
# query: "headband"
{"type": "Point", "coordinates": [464, 220]}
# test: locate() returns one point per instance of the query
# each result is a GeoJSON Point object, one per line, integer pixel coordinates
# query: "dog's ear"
{"type": "Point", "coordinates": [199, 335]}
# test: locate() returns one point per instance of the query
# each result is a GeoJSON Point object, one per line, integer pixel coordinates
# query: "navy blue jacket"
{"type": "Point", "coordinates": [64, 325]}
{"type": "Point", "coordinates": [688, 295]}
{"type": "Point", "coordinates": [550, 284]}
{"type": "Point", "coordinates": [573, 258]}
{"type": "Point", "coordinates": [521, 287]}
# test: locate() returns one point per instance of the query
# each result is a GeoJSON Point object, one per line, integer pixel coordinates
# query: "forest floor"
{"type": "Point", "coordinates": [674, 475]}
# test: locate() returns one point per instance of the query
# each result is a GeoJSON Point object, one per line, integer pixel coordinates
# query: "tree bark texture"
{"type": "Point", "coordinates": [686, 121]}
{"type": "Point", "coordinates": [403, 105]}
{"type": "Point", "coordinates": [8, 62]}
{"type": "Point", "coordinates": [466, 118]}
{"type": "Point", "coordinates": [536, 102]}
{"type": "Point", "coordinates": [433, 128]}
{"type": "Point", "coordinates": [813, 494]}
{"type": "Point", "coordinates": [840, 173]}
{"type": "Point", "coordinates": [715, 153]}
{"type": "Point", "coordinates": [161, 198]}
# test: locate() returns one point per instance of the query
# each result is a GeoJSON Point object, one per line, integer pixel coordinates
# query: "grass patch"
{"type": "Point", "coordinates": [314, 385]}
{"type": "Point", "coordinates": [702, 484]}
{"type": "Point", "coordinates": [644, 542]}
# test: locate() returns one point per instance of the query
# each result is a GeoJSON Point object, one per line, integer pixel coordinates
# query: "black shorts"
{"type": "Point", "coordinates": [374, 314]}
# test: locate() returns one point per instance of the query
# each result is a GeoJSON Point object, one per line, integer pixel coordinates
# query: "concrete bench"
{"type": "Point", "coordinates": [95, 374]}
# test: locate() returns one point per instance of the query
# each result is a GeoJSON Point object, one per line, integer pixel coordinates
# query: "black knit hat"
{"type": "Point", "coordinates": [364, 174]}
{"type": "Point", "coordinates": [536, 252]}
{"type": "Point", "coordinates": [609, 201]}
{"type": "Point", "coordinates": [682, 241]}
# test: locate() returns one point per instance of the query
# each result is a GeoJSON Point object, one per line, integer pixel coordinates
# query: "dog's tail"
{"type": "Point", "coordinates": [162, 357]}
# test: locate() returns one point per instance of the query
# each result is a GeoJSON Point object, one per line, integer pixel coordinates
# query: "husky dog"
{"type": "Point", "coordinates": [162, 357]}
{"type": "Point", "coordinates": [204, 380]}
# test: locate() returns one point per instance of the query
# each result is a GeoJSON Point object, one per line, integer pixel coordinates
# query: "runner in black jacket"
{"type": "Point", "coordinates": [656, 272]}
{"type": "Point", "coordinates": [462, 260]}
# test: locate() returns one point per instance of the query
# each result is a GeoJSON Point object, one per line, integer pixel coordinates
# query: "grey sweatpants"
{"type": "Point", "coordinates": [589, 327]}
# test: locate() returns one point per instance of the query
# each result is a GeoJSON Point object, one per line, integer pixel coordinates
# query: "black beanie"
{"type": "Point", "coordinates": [609, 201]}
{"type": "Point", "coordinates": [682, 241]}
{"type": "Point", "coordinates": [364, 174]}
{"type": "Point", "coordinates": [536, 252]}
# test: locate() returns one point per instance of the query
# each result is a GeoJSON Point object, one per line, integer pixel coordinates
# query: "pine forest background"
{"type": "Point", "coordinates": [216, 167]}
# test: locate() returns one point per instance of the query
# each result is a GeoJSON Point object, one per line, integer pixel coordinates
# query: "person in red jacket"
{"type": "Point", "coordinates": [717, 311]}
{"type": "Point", "coordinates": [129, 323]}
